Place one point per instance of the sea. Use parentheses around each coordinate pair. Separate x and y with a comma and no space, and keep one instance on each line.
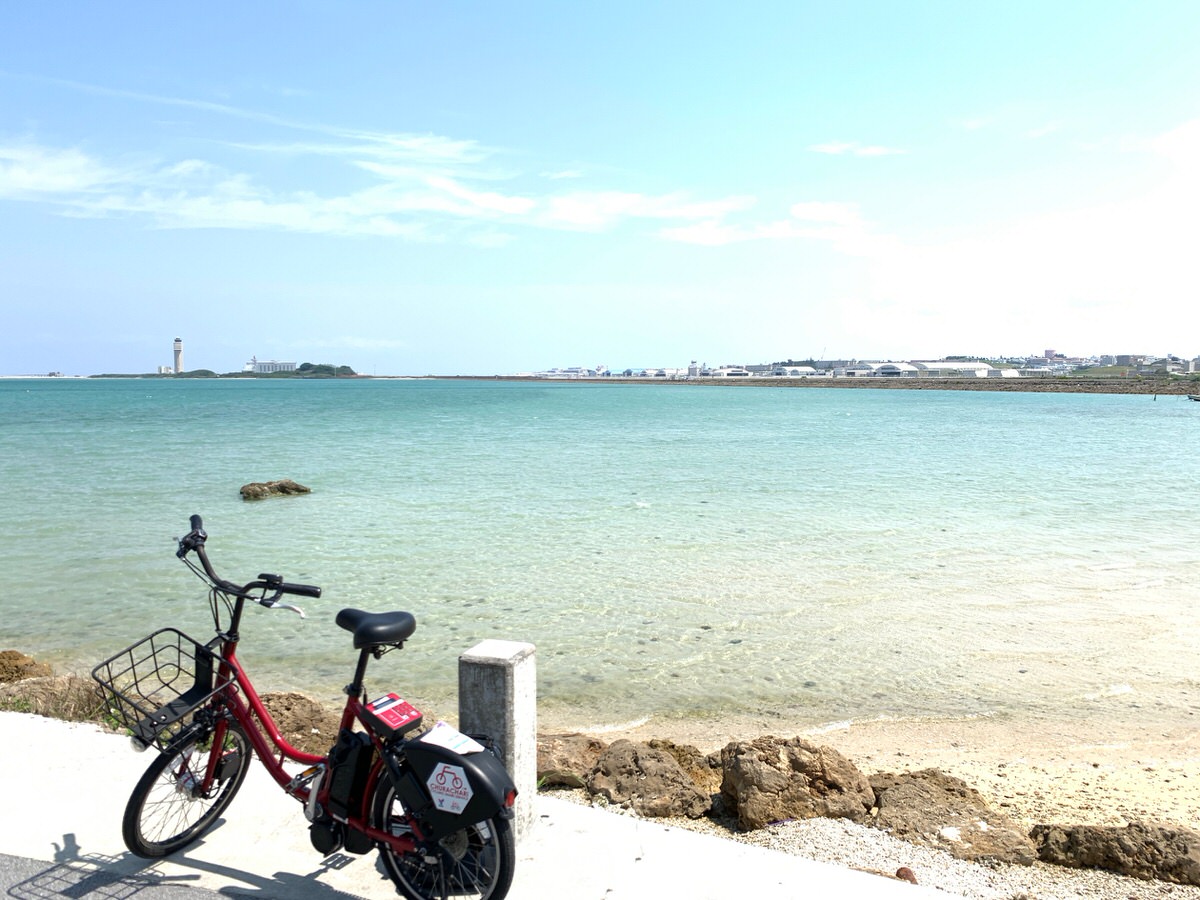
(674,552)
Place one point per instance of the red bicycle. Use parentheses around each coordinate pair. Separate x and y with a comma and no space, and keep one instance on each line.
(435,803)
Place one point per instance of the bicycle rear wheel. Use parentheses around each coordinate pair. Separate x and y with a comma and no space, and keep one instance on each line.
(475,863)
(167,809)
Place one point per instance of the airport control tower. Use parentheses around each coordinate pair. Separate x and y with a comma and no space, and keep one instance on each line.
(178,356)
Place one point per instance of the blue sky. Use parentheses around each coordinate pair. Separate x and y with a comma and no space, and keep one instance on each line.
(417,188)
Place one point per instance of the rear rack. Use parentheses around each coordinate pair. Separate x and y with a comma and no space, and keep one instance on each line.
(153,687)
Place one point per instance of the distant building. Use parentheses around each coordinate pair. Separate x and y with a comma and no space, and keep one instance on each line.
(178,356)
(954,369)
(897,370)
(266,367)
(854,370)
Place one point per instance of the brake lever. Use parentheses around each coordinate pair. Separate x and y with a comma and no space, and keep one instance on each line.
(273,603)
(297,610)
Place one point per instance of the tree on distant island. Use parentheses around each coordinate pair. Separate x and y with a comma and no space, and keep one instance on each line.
(324,369)
(304,370)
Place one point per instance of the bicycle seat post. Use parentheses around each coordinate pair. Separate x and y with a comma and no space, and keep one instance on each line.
(355,688)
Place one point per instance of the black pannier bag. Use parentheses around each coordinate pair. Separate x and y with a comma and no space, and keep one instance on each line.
(446,791)
(349,768)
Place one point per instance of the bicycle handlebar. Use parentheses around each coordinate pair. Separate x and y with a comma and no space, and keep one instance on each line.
(194,541)
(275,583)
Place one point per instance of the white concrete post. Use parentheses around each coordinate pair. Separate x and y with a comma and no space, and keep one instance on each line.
(497,696)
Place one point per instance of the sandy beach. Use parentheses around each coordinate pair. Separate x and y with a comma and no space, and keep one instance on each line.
(1063,775)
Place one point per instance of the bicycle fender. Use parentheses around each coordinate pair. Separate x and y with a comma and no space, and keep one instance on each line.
(447,791)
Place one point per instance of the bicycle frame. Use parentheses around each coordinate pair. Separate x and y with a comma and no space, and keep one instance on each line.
(273,749)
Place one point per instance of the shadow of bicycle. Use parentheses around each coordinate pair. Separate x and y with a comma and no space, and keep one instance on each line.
(75,874)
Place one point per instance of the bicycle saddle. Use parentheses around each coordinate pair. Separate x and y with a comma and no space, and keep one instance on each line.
(377,629)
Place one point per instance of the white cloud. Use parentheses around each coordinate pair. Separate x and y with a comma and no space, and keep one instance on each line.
(839,224)
(1122,267)
(1061,270)
(1182,146)
(593,210)
(596,210)
(29,171)
(195,193)
(853,148)
(485,201)
(189,167)
(834,213)
(1043,130)
(710,233)
(386,144)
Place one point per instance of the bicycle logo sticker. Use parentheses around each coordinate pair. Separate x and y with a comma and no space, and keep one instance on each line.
(449,788)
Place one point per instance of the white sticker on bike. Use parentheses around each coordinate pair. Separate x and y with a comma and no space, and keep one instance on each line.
(449,788)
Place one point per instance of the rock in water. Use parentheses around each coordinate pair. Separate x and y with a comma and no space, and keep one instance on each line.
(260,490)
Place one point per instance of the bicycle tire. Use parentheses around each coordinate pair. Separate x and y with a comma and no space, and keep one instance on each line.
(473,863)
(164,813)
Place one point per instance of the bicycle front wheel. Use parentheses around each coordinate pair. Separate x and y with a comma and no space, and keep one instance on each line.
(169,808)
(475,863)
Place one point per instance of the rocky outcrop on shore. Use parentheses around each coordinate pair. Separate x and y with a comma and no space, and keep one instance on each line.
(15,666)
(771,780)
(647,779)
(937,810)
(1143,851)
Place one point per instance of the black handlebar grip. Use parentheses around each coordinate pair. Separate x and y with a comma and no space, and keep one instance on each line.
(194,539)
(302,590)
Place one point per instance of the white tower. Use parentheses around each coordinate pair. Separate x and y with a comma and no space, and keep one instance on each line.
(178,356)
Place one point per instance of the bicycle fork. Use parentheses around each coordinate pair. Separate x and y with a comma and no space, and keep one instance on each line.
(220,765)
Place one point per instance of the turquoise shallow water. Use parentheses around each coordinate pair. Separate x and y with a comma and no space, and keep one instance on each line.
(816,554)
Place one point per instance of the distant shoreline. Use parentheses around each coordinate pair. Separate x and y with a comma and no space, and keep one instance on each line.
(1167,387)
(1141,386)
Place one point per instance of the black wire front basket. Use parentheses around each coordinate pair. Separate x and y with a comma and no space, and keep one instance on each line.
(154,687)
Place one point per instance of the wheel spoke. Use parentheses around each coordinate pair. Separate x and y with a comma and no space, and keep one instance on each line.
(475,862)
(166,811)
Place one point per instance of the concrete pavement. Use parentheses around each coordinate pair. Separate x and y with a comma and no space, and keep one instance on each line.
(65,787)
